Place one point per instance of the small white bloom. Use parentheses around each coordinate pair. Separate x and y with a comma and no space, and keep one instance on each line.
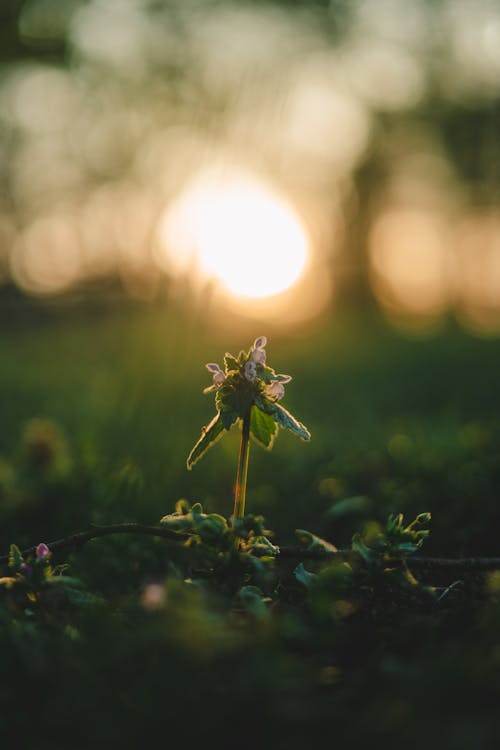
(218,375)
(218,378)
(258,351)
(259,356)
(250,370)
(275,390)
(260,342)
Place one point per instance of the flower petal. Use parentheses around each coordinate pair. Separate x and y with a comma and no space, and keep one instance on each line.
(250,370)
(275,390)
(219,378)
(259,356)
(212,367)
(260,342)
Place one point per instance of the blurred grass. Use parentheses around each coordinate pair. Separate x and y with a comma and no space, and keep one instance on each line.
(398,424)
(98,413)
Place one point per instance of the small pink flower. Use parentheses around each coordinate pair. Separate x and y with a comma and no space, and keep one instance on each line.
(258,351)
(259,356)
(275,390)
(260,342)
(42,552)
(218,375)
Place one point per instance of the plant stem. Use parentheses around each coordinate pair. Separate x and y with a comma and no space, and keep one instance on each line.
(77,540)
(242,472)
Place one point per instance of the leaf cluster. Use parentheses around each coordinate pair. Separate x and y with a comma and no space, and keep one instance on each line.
(238,397)
(379,547)
(35,587)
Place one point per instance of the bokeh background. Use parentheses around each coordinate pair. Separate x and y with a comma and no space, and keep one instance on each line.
(178,177)
(377,123)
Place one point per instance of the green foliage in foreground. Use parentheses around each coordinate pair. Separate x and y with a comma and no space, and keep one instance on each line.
(228,625)
(134,638)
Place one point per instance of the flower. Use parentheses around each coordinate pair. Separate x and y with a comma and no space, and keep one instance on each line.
(275,390)
(218,374)
(259,356)
(250,370)
(258,351)
(42,552)
(260,342)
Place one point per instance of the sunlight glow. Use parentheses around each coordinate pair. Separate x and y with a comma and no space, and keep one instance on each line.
(239,233)
(410,263)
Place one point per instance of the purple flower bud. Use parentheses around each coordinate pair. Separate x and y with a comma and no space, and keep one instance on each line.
(42,552)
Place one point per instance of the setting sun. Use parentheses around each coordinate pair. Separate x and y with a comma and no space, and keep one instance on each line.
(239,233)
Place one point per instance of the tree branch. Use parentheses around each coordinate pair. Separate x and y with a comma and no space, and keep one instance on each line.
(75,541)
(465,564)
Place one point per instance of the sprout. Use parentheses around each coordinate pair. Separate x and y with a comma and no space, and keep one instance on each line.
(247,392)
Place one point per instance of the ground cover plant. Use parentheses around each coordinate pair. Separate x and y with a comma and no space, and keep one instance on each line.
(318,611)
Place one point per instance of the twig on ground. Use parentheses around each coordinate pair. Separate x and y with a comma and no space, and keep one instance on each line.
(77,540)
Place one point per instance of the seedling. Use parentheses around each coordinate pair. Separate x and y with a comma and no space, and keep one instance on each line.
(247,391)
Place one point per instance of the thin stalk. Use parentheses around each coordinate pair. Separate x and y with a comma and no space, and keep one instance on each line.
(240,489)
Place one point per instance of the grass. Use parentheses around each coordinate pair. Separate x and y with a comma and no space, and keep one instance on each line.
(407,424)
(398,425)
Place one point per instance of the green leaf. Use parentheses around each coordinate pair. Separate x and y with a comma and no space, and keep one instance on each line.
(15,557)
(178,521)
(263,427)
(314,542)
(233,402)
(349,505)
(211,528)
(303,576)
(283,417)
(209,436)
(252,601)
(262,546)
(267,374)
(367,553)
(230,362)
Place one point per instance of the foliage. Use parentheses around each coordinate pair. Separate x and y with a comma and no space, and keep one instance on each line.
(234,559)
(247,386)
(194,641)
(34,589)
